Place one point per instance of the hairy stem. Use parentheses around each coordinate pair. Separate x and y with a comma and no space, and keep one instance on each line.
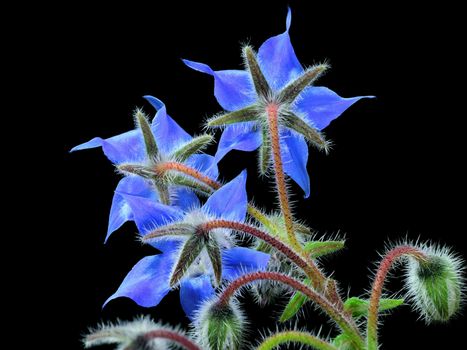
(388,261)
(294,337)
(311,271)
(213,184)
(341,320)
(279,174)
(173,336)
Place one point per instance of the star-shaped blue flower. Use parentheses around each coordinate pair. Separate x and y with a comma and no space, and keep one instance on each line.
(151,278)
(274,77)
(130,147)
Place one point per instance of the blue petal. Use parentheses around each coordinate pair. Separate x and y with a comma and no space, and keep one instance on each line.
(239,260)
(193,292)
(230,201)
(185,199)
(121,212)
(149,214)
(277,59)
(320,105)
(205,163)
(233,88)
(126,147)
(294,152)
(169,135)
(148,282)
(242,137)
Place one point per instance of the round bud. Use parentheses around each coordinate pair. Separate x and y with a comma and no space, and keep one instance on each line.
(436,285)
(219,326)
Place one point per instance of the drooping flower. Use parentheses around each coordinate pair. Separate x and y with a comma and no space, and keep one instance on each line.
(274,79)
(147,146)
(191,259)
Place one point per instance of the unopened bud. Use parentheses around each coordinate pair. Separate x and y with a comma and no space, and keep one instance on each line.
(220,326)
(436,285)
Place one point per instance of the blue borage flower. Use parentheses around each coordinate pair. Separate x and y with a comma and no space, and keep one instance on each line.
(151,278)
(129,147)
(275,76)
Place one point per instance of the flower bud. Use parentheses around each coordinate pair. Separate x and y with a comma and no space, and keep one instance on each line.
(219,326)
(436,285)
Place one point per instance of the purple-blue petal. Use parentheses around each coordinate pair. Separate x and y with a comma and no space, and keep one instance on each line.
(121,212)
(230,201)
(277,59)
(294,152)
(242,137)
(205,163)
(168,134)
(185,199)
(233,88)
(193,292)
(126,147)
(239,260)
(149,214)
(148,282)
(320,105)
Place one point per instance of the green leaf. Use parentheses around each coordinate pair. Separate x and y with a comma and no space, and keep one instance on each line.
(292,90)
(197,144)
(149,140)
(189,253)
(297,300)
(359,307)
(246,114)
(312,135)
(259,81)
(343,342)
(320,248)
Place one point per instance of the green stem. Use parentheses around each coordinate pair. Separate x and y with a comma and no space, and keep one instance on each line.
(294,337)
(386,264)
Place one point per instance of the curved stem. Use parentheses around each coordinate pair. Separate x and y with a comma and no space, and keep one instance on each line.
(312,272)
(296,337)
(279,174)
(388,261)
(213,184)
(173,336)
(342,321)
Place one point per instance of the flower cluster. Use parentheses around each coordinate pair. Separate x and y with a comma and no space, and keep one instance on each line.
(171,190)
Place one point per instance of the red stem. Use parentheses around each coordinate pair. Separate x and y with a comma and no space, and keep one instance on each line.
(386,264)
(344,323)
(312,271)
(173,336)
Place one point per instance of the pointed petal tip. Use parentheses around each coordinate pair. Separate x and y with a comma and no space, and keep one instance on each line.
(198,66)
(288,20)
(154,101)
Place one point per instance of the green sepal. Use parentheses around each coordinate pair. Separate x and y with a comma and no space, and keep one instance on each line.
(359,307)
(292,90)
(312,135)
(215,256)
(193,185)
(317,249)
(190,251)
(197,144)
(264,152)
(259,81)
(149,140)
(246,114)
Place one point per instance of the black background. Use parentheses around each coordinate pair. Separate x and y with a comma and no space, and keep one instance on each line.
(394,172)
